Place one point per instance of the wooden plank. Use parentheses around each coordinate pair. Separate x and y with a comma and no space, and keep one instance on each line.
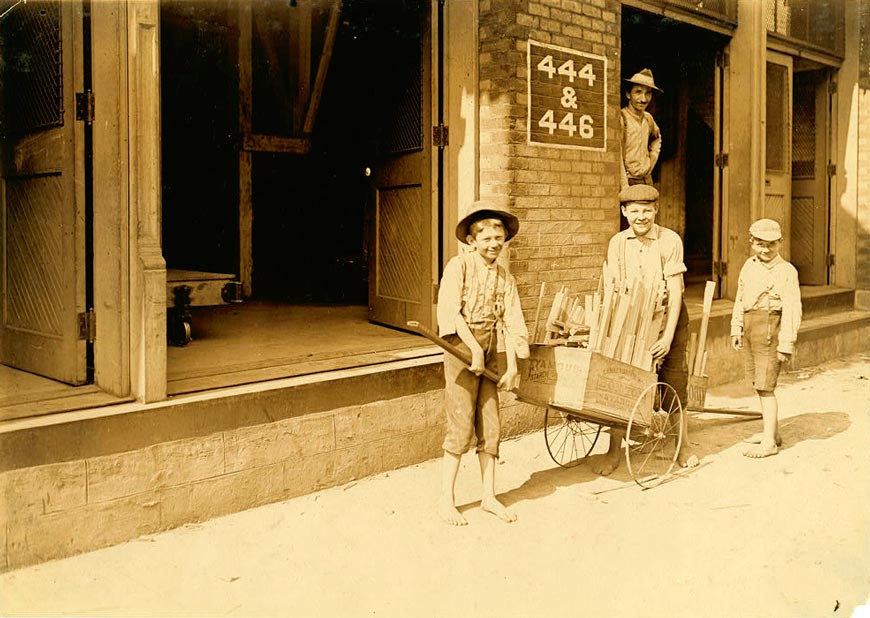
(322,67)
(709,290)
(255,142)
(246,206)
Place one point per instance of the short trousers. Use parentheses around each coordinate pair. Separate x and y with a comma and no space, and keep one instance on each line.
(470,401)
(760,338)
(674,369)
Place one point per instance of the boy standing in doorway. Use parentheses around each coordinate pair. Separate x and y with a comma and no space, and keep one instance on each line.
(764,325)
(641,136)
(478,304)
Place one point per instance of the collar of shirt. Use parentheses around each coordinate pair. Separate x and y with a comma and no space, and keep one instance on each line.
(483,263)
(772,263)
(653,233)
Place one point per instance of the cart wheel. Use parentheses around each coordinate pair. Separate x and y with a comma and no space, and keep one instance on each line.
(568,438)
(654,434)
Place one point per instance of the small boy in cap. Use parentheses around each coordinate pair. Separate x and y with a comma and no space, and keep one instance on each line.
(653,254)
(641,136)
(764,324)
(478,311)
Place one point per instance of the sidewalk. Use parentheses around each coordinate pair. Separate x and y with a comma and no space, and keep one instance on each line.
(788,535)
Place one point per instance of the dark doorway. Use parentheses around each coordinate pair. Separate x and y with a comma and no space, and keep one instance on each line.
(683,61)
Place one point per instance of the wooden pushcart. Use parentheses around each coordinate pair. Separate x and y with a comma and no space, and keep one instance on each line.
(582,391)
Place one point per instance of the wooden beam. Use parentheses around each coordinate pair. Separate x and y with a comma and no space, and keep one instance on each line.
(322,67)
(246,206)
(302,21)
(253,142)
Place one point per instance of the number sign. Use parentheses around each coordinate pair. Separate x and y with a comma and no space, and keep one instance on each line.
(567,95)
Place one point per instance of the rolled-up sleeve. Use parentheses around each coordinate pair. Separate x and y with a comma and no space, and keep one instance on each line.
(792,311)
(737,310)
(514,322)
(672,255)
(450,297)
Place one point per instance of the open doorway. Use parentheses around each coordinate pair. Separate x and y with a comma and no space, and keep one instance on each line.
(303,164)
(683,59)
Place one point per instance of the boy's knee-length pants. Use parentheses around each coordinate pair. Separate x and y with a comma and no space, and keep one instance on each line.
(470,401)
(674,369)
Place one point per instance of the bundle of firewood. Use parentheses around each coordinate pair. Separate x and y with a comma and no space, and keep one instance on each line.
(566,324)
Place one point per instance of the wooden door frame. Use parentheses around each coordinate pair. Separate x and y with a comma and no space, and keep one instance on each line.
(773,57)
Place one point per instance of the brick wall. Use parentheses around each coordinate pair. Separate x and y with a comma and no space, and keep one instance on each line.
(565,199)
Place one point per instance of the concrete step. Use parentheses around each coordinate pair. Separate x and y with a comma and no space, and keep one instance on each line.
(822,337)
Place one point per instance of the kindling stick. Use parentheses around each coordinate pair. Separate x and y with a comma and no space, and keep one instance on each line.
(709,289)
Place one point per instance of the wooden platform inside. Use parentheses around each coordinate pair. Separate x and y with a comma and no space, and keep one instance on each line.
(236,344)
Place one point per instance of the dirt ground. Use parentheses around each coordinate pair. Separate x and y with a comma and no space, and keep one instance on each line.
(788,535)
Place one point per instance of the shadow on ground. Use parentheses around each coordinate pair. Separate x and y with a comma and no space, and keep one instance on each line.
(707,437)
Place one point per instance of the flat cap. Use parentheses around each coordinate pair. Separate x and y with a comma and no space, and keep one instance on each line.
(487,210)
(766,229)
(638,193)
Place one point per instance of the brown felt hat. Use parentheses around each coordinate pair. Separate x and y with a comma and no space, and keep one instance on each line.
(638,193)
(487,210)
(644,78)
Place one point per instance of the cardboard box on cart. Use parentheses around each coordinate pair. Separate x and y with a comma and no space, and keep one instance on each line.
(601,389)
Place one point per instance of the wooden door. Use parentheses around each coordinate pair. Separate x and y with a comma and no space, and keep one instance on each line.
(809,202)
(777,177)
(42,193)
(403,256)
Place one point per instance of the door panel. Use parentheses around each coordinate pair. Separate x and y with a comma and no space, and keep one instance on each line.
(809,246)
(777,179)
(403,260)
(43,251)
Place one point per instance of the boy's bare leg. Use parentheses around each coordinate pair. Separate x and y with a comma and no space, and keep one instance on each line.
(446,502)
(769,412)
(605,464)
(686,458)
(489,502)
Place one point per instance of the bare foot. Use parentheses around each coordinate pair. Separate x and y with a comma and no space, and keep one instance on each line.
(762,450)
(606,464)
(688,460)
(758,437)
(491,505)
(449,513)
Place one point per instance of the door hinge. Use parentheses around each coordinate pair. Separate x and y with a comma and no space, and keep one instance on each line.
(85,106)
(88,325)
(440,136)
(832,86)
(720,269)
(435,293)
(830,260)
(722,60)
(832,169)
(721,159)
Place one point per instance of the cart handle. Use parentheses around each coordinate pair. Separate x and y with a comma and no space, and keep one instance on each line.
(418,328)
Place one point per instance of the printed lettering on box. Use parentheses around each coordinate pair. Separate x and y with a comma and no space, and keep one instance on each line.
(567,97)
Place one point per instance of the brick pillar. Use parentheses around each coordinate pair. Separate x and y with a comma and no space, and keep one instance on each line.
(565,198)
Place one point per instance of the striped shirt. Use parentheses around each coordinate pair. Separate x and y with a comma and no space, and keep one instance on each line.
(485,295)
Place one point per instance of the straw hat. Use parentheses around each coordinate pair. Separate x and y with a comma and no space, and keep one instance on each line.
(644,78)
(487,210)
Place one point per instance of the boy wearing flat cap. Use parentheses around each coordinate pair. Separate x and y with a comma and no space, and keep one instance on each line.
(478,311)
(764,325)
(641,136)
(653,254)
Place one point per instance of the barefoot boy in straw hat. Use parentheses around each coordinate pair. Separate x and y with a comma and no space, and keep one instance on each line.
(478,309)
(641,136)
